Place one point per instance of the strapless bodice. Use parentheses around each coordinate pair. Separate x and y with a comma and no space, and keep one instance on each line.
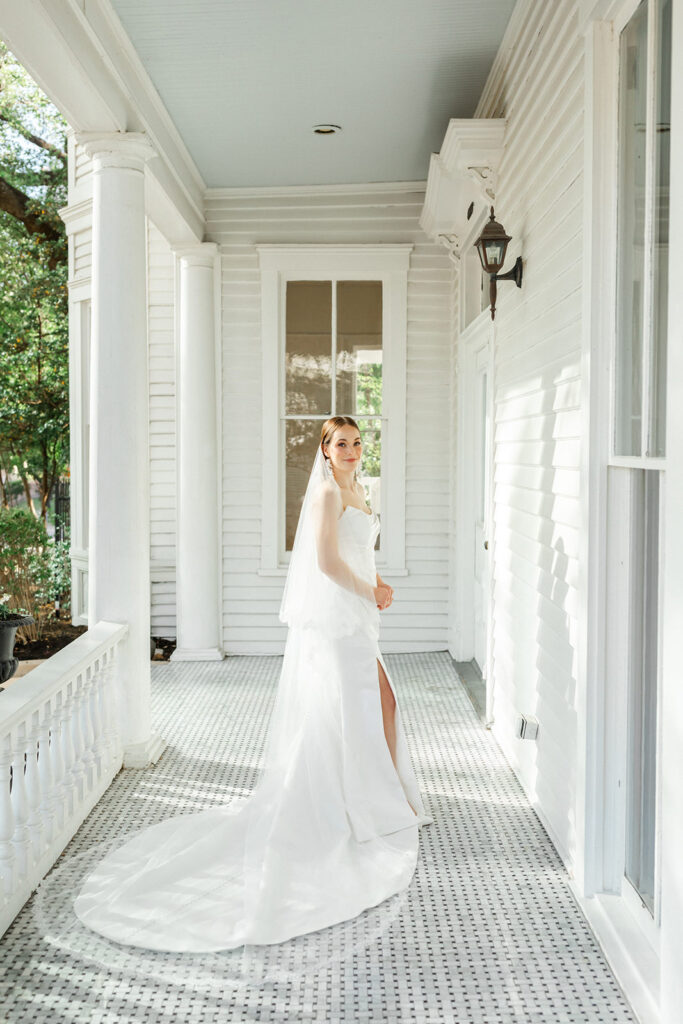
(358,527)
(356,535)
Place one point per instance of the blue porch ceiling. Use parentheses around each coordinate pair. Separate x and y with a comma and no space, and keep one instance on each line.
(245,80)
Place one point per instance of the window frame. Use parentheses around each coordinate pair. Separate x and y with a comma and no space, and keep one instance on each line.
(388,263)
(643,461)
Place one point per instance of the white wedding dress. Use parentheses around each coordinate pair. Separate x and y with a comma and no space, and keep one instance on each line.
(327,832)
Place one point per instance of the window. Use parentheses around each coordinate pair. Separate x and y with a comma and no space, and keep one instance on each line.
(333,366)
(638,428)
(642,230)
(334,343)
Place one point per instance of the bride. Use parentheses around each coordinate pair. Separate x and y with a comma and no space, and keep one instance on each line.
(332,826)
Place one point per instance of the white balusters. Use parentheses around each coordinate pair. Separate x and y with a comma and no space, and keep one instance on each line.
(68,753)
(7,856)
(78,764)
(36,825)
(60,794)
(21,837)
(46,759)
(61,744)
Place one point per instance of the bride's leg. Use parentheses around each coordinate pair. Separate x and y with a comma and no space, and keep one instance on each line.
(389,715)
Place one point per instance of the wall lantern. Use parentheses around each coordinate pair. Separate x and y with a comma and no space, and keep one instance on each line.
(492,245)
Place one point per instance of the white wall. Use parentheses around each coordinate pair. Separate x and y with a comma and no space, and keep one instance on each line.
(537,84)
(418,619)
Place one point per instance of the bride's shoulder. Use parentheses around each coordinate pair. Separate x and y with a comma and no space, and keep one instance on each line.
(327,494)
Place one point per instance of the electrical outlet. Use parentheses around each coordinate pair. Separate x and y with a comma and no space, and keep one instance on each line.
(526,727)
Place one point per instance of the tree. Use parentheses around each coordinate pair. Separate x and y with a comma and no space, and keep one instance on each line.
(34,348)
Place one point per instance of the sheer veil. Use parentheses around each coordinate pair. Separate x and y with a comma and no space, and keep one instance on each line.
(311,597)
(298,607)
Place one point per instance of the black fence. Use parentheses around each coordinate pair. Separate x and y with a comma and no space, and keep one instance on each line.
(62,509)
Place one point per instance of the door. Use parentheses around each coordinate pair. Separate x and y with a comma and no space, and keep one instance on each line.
(480,449)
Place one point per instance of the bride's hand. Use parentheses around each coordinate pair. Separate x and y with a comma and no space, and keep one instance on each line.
(383,595)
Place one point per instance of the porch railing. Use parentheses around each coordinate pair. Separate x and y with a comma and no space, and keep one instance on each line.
(60,747)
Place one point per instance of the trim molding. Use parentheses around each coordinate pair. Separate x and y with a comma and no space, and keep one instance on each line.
(388,263)
(266,191)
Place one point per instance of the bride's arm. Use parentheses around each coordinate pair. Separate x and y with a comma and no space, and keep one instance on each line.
(325,511)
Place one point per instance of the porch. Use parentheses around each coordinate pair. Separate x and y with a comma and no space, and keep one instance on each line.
(500,484)
(489,931)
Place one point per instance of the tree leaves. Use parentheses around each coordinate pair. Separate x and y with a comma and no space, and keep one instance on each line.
(34,349)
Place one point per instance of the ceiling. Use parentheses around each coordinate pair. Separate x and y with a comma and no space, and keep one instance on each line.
(245,81)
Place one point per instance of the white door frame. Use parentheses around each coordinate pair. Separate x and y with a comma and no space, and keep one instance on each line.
(475,355)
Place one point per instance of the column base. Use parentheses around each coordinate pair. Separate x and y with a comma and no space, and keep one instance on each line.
(142,755)
(197,654)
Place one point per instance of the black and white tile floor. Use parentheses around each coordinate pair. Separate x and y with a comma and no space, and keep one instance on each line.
(488,932)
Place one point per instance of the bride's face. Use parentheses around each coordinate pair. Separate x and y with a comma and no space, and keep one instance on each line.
(345,449)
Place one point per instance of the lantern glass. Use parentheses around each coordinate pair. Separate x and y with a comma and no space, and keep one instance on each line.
(492,254)
(492,245)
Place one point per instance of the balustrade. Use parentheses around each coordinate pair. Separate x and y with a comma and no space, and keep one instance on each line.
(60,747)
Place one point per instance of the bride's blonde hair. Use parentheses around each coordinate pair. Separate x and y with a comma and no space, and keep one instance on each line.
(327,432)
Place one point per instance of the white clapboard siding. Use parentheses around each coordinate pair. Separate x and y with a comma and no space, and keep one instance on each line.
(418,619)
(162,432)
(537,84)
(82,253)
(82,165)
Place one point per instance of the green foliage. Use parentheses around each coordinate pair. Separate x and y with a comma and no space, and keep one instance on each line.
(33,570)
(34,351)
(369,405)
(56,583)
(9,613)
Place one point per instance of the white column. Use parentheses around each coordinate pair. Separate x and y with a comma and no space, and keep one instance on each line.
(119,575)
(198,563)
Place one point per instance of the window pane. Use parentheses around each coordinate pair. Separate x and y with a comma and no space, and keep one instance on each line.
(630,233)
(660,260)
(308,348)
(359,348)
(371,463)
(301,439)
(641,636)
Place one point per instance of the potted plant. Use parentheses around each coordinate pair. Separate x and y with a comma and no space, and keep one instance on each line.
(10,620)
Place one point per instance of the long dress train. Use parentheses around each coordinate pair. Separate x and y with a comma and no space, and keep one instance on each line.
(327,832)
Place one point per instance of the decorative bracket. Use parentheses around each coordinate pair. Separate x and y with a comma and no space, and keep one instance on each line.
(463,173)
(485,177)
(451,244)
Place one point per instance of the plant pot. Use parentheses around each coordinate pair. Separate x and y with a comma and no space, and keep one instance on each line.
(8,633)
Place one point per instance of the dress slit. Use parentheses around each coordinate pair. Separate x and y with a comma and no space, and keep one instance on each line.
(380,661)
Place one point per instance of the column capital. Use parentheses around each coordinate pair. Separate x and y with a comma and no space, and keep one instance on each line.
(118,149)
(202,254)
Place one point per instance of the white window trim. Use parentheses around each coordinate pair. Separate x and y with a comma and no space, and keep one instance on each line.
(388,264)
(630,940)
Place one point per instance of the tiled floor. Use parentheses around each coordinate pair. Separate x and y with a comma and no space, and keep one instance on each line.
(488,932)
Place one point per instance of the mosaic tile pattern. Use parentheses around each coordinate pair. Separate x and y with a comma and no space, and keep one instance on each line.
(488,932)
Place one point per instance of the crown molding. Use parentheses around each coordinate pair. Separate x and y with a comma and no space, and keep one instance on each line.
(273,191)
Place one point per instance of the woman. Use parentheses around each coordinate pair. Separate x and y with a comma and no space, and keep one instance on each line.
(332,825)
